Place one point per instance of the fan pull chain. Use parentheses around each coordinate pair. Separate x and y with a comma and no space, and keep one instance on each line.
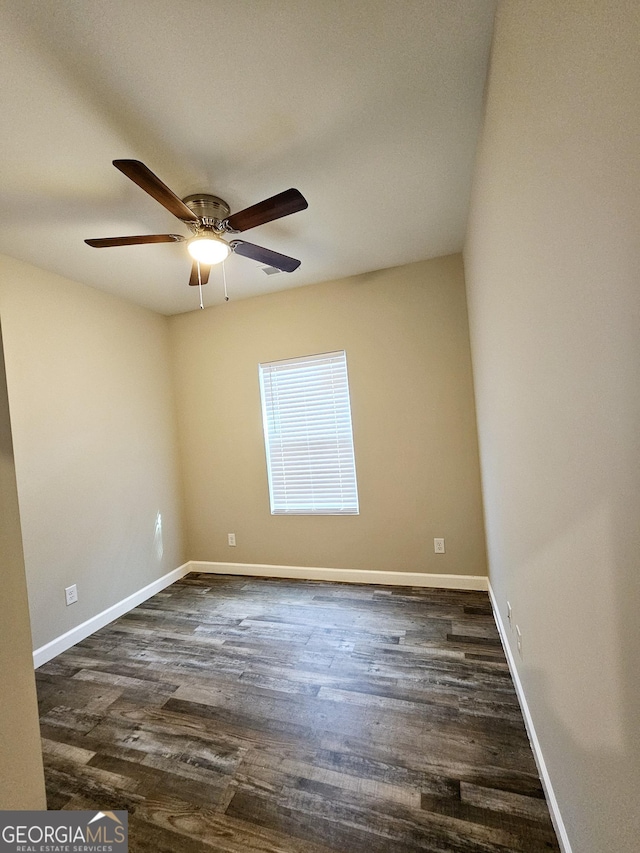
(200,285)
(224,279)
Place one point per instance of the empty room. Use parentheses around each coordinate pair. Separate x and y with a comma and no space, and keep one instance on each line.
(319,418)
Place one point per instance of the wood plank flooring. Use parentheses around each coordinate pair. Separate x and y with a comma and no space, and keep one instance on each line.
(241,715)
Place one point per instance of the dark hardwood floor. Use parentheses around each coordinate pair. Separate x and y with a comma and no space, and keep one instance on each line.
(242,715)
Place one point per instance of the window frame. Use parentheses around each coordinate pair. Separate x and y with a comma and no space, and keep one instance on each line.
(348,495)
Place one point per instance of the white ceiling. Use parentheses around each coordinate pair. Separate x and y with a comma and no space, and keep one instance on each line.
(370,108)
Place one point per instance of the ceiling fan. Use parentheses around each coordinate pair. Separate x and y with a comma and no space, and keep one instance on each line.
(207,216)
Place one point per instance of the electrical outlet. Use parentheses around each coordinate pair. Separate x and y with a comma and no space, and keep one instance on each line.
(438,546)
(510,615)
(519,640)
(71,594)
(232,538)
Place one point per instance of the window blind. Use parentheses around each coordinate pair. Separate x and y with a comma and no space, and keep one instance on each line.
(306,415)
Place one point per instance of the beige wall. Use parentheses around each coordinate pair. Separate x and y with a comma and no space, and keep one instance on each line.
(406,337)
(552,260)
(21,775)
(94,438)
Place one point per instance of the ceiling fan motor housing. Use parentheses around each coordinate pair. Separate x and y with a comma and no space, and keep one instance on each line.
(211,210)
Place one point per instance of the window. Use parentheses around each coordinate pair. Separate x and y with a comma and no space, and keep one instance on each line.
(308,438)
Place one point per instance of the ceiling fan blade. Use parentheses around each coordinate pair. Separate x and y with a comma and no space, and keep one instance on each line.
(204,274)
(265,256)
(150,183)
(283,204)
(104,242)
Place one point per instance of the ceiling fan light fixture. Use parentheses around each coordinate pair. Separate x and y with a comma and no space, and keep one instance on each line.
(208,249)
(207,216)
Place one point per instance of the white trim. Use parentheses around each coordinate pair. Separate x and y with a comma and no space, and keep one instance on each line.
(552,802)
(70,638)
(75,635)
(344,575)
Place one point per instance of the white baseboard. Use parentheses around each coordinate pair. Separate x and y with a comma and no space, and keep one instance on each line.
(65,641)
(344,575)
(75,635)
(554,808)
